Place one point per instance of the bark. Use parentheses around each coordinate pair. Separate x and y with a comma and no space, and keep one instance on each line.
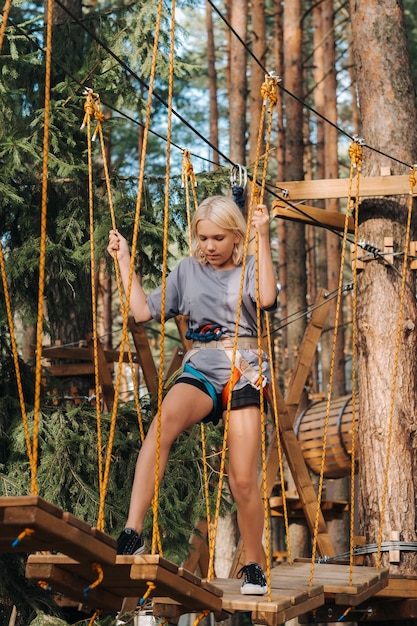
(237,91)
(295,233)
(256,78)
(389,121)
(331,170)
(280,156)
(211,73)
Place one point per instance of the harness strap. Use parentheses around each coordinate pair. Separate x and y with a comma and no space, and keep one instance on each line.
(240,368)
(209,386)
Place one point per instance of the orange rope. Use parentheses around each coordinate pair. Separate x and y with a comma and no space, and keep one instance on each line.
(141,178)
(16,360)
(100,575)
(6,11)
(151,587)
(188,178)
(330,389)
(155,508)
(356,154)
(89,108)
(42,253)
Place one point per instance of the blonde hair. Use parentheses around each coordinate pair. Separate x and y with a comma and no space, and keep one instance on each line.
(224,213)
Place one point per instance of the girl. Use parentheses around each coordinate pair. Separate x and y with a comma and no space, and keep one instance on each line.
(205,287)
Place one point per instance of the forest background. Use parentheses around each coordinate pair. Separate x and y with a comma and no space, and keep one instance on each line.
(219,69)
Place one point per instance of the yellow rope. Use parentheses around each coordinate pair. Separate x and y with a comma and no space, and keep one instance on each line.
(93,618)
(199,617)
(89,109)
(329,396)
(269,92)
(254,192)
(26,532)
(188,179)
(42,252)
(100,575)
(6,11)
(155,500)
(356,155)
(396,360)
(16,360)
(151,587)
(141,178)
(274,400)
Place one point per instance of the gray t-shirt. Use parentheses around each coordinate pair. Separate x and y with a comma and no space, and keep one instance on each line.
(210,296)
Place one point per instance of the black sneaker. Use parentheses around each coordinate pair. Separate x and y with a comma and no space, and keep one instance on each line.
(254,582)
(130,542)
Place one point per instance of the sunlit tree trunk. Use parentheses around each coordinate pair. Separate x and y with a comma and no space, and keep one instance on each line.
(211,73)
(331,170)
(256,78)
(389,124)
(294,232)
(238,89)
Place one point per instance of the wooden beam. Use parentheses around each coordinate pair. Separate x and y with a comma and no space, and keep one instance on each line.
(307,351)
(82,354)
(369,186)
(312,215)
(105,377)
(144,353)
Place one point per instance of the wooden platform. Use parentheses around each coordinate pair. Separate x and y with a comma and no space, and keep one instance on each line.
(128,577)
(396,601)
(51,529)
(289,599)
(366,581)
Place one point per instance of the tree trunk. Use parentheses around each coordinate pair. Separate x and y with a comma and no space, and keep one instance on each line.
(256,77)
(237,91)
(331,170)
(211,73)
(295,232)
(389,122)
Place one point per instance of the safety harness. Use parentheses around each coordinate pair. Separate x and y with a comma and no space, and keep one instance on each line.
(211,337)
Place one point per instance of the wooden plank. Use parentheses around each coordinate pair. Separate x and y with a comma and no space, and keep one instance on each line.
(399,587)
(173,585)
(82,354)
(73,586)
(311,215)
(128,577)
(53,530)
(335,578)
(369,186)
(286,601)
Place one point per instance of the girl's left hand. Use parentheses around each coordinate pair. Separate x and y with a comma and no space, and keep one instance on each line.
(260,219)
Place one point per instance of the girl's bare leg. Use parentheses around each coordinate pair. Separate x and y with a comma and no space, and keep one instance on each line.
(183,406)
(244,442)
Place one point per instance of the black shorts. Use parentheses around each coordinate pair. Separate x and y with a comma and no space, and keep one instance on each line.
(246,396)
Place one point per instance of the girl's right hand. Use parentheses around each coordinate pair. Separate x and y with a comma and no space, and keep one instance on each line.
(118,246)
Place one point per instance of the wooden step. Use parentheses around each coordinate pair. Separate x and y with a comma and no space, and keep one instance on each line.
(49,528)
(335,578)
(128,577)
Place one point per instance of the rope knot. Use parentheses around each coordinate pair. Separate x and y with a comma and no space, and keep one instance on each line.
(269,90)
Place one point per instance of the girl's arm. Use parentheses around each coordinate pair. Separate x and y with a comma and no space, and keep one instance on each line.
(267,278)
(118,248)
